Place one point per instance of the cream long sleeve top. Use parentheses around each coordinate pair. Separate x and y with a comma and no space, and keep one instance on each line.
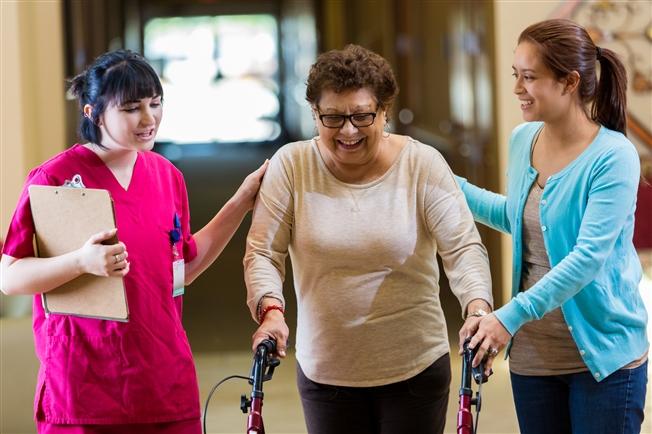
(364,261)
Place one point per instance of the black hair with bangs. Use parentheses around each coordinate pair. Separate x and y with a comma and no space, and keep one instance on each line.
(116,77)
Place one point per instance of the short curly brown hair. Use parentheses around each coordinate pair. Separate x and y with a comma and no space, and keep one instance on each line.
(352,68)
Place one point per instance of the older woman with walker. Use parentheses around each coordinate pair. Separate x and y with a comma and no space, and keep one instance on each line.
(363,214)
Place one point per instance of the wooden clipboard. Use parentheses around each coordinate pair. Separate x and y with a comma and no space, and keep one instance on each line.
(64,219)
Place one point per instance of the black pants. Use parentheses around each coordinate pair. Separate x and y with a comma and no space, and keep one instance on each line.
(416,405)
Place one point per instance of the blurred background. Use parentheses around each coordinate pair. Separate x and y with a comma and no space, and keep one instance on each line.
(234,73)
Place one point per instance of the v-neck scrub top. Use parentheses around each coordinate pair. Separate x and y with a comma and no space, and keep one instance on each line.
(107,372)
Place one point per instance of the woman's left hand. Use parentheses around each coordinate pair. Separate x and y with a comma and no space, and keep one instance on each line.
(490,338)
(248,191)
(468,329)
(475,311)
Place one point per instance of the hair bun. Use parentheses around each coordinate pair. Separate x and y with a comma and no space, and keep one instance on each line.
(77,84)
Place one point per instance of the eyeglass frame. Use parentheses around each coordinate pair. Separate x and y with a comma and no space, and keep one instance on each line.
(347,117)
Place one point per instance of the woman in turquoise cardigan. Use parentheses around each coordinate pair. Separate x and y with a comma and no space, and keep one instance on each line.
(576,322)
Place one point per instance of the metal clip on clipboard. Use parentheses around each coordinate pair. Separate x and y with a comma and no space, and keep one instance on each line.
(75,183)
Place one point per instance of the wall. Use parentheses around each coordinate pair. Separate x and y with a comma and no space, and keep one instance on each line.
(32,93)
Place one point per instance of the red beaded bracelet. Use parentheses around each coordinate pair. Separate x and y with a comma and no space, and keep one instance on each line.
(267,309)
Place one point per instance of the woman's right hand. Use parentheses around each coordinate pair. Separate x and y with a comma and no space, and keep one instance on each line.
(491,338)
(102,259)
(248,191)
(273,327)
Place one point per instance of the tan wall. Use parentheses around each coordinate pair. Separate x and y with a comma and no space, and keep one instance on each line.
(33,86)
(12,155)
(32,90)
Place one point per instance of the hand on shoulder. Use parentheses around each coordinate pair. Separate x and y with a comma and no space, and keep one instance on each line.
(248,190)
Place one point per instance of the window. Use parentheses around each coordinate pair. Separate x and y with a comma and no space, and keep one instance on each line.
(220,77)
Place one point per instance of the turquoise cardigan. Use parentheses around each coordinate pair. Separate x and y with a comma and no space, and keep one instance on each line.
(587,220)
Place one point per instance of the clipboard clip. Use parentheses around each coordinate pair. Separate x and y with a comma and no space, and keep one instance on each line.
(75,183)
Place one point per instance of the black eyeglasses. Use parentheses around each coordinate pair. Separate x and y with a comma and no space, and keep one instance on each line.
(357,119)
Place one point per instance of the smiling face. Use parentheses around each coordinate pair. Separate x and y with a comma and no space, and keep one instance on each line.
(543,97)
(349,147)
(131,125)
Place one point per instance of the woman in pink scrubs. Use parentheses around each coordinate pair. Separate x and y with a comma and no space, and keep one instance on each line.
(101,376)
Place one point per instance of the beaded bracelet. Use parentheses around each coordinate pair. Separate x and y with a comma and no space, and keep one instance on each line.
(259,306)
(261,318)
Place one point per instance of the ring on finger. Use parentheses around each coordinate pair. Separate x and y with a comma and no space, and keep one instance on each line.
(492,352)
(117,258)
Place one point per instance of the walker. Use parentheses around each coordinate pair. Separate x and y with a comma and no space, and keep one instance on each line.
(464,415)
(262,370)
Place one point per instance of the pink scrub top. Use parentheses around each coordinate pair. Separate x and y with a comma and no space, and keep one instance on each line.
(107,372)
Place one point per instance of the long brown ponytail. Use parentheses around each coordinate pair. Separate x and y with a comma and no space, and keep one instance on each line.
(610,103)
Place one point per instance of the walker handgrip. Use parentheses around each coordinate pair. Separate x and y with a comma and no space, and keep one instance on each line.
(262,370)
(477,372)
(268,344)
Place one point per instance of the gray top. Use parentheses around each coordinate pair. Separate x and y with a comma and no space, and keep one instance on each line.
(545,346)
